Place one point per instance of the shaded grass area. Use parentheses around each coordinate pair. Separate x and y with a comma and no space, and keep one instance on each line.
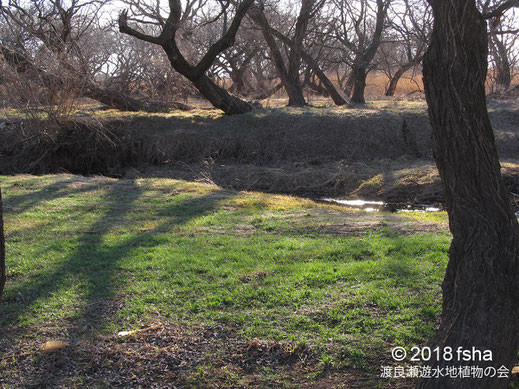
(271,278)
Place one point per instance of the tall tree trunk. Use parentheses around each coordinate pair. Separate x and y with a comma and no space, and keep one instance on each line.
(359,85)
(314,65)
(364,56)
(2,249)
(480,289)
(294,58)
(290,82)
(295,93)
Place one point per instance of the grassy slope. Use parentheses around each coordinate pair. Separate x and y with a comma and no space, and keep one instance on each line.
(88,257)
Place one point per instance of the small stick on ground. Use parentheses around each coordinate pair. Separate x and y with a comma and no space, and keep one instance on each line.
(134,332)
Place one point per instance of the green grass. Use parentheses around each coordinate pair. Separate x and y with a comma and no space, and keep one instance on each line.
(117,254)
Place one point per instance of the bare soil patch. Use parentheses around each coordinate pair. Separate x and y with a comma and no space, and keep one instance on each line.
(169,356)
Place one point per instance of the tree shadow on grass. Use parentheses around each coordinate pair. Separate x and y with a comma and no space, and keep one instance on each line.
(103,281)
(94,263)
(18,203)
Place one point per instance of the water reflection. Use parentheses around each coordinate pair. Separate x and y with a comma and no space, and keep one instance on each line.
(376,206)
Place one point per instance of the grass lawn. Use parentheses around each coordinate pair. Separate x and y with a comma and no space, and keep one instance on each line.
(241,289)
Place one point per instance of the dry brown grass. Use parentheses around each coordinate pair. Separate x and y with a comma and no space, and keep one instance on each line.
(382,150)
(170,356)
(377,83)
(410,86)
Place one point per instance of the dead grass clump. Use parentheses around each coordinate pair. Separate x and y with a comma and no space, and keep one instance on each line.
(42,146)
(257,276)
(509,94)
(311,136)
(393,181)
(287,134)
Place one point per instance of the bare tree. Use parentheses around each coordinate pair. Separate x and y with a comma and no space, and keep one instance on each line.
(239,62)
(141,70)
(360,26)
(196,74)
(410,26)
(326,86)
(503,38)
(244,59)
(480,291)
(61,49)
(502,44)
(288,73)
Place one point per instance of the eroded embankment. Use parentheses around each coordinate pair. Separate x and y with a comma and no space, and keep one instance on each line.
(375,152)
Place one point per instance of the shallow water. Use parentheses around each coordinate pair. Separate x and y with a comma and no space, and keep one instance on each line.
(377,206)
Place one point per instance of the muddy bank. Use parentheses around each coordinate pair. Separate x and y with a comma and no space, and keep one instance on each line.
(405,181)
(377,153)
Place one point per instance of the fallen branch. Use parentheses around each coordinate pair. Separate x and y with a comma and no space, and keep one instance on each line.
(134,332)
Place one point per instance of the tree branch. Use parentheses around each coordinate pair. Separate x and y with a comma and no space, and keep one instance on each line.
(125,29)
(226,41)
(499,11)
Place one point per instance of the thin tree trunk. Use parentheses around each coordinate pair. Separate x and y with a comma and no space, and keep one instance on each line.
(332,91)
(317,88)
(340,79)
(291,85)
(268,92)
(393,81)
(480,289)
(312,63)
(348,87)
(2,249)
(500,55)
(238,86)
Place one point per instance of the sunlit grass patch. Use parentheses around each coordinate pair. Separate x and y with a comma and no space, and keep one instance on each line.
(430,217)
(255,200)
(109,254)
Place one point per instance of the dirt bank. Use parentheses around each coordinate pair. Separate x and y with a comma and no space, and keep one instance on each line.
(382,151)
